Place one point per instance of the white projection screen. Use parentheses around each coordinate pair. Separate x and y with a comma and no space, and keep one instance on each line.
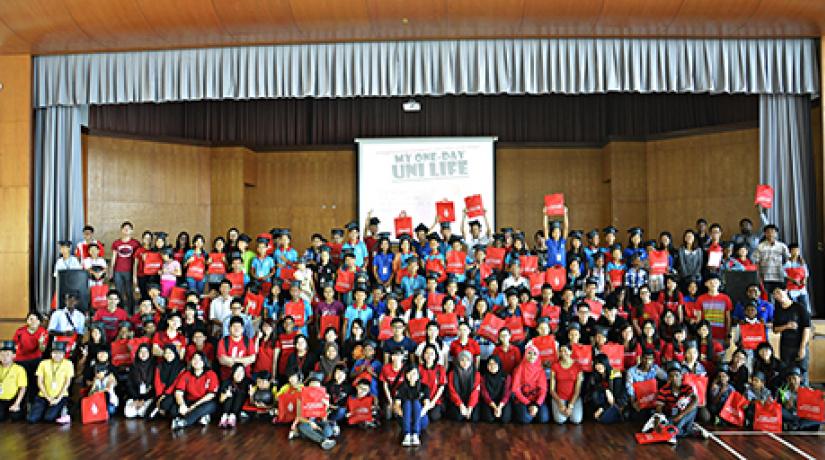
(412,174)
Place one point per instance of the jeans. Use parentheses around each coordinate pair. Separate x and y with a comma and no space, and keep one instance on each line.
(798,424)
(5,413)
(42,411)
(318,436)
(192,417)
(412,422)
(788,358)
(338,415)
(684,425)
(574,418)
(196,286)
(123,283)
(522,415)
(486,414)
(610,415)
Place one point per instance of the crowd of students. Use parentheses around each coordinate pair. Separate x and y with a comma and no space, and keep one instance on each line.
(472,326)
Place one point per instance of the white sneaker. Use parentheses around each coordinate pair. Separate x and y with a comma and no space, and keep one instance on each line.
(142,411)
(673,441)
(653,422)
(292,435)
(328,444)
(407,442)
(415,440)
(177,423)
(205,420)
(336,431)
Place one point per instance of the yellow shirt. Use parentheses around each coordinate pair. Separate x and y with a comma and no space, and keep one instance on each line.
(55,376)
(12,379)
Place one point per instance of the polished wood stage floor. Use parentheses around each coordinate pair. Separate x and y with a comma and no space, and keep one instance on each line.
(122,439)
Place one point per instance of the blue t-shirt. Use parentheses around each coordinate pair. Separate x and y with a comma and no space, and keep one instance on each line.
(383,266)
(359,250)
(263,267)
(556,252)
(351,314)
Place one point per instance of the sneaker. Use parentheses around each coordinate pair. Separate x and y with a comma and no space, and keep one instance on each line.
(178,423)
(673,441)
(205,420)
(336,431)
(407,442)
(64,419)
(415,441)
(292,435)
(232,421)
(652,422)
(327,444)
(699,431)
(224,419)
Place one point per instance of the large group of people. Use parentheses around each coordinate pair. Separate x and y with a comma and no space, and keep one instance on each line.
(472,325)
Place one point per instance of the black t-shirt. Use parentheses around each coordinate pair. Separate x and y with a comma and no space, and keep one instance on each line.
(791,338)
(407,392)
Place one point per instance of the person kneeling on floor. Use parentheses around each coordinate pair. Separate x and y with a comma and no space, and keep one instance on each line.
(13,384)
(54,376)
(676,404)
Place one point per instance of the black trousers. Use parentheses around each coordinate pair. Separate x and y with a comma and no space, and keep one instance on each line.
(487,416)
(233,404)
(6,414)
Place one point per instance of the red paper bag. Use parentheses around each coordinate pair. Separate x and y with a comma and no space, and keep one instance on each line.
(810,405)
(288,275)
(733,411)
(583,356)
(237,284)
(436,265)
(418,329)
(536,282)
(473,206)
(529,264)
(434,300)
(93,409)
(360,409)
(699,384)
(69,340)
(447,324)
(403,225)
(490,326)
(516,326)
(556,277)
(646,392)
(177,298)
(152,263)
(296,311)
(554,204)
(767,417)
(554,313)
(121,355)
(495,258)
(658,262)
(615,353)
(314,402)
(794,278)
(456,261)
(529,311)
(661,434)
(288,406)
(385,328)
(253,303)
(216,266)
(196,269)
(329,321)
(752,335)
(445,210)
(764,196)
(344,281)
(616,278)
(97,296)
(547,348)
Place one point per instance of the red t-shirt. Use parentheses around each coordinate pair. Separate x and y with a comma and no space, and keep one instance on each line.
(111,320)
(509,359)
(389,376)
(195,388)
(82,250)
(565,380)
(208,350)
(125,254)
(673,303)
(713,309)
(235,349)
(472,346)
(651,310)
(162,339)
(264,359)
(139,256)
(286,342)
(28,344)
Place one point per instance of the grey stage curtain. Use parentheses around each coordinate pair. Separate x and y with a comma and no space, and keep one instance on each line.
(434,68)
(786,164)
(58,192)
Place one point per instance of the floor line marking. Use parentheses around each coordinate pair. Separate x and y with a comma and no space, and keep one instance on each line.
(790,446)
(725,446)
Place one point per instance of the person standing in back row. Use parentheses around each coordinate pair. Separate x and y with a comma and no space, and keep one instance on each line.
(770,257)
(793,323)
(122,265)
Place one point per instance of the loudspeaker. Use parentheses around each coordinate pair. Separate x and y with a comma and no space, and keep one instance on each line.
(73,280)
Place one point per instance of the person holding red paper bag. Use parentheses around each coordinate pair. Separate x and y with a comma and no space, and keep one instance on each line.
(606,398)
(310,418)
(789,397)
(677,402)
(554,240)
(764,196)
(554,204)
(362,405)
(445,210)
(472,233)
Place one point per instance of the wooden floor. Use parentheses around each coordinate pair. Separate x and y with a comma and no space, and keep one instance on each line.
(122,439)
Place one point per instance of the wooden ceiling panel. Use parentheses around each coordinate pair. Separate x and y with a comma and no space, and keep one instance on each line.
(114,24)
(258,20)
(40,22)
(637,17)
(562,17)
(188,21)
(325,19)
(485,17)
(408,19)
(718,18)
(787,17)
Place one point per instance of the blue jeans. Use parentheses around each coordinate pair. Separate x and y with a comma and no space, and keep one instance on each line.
(123,283)
(684,425)
(574,418)
(318,436)
(42,411)
(522,415)
(196,286)
(610,415)
(412,422)
(337,415)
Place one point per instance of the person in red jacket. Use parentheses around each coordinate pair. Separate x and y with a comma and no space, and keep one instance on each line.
(195,394)
(30,341)
(530,389)
(464,384)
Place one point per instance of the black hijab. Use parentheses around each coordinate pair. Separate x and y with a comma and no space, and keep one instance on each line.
(494,383)
(142,371)
(169,371)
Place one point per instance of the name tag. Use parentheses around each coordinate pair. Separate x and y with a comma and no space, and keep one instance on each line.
(54,386)
(143,388)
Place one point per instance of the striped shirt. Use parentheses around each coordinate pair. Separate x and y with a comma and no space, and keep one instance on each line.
(770,259)
(674,402)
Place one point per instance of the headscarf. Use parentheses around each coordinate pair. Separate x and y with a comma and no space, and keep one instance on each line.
(464,379)
(142,371)
(328,365)
(530,372)
(169,370)
(494,383)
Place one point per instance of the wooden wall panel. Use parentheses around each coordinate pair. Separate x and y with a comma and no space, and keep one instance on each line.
(628,185)
(304,191)
(712,176)
(525,175)
(227,175)
(15,185)
(155,185)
